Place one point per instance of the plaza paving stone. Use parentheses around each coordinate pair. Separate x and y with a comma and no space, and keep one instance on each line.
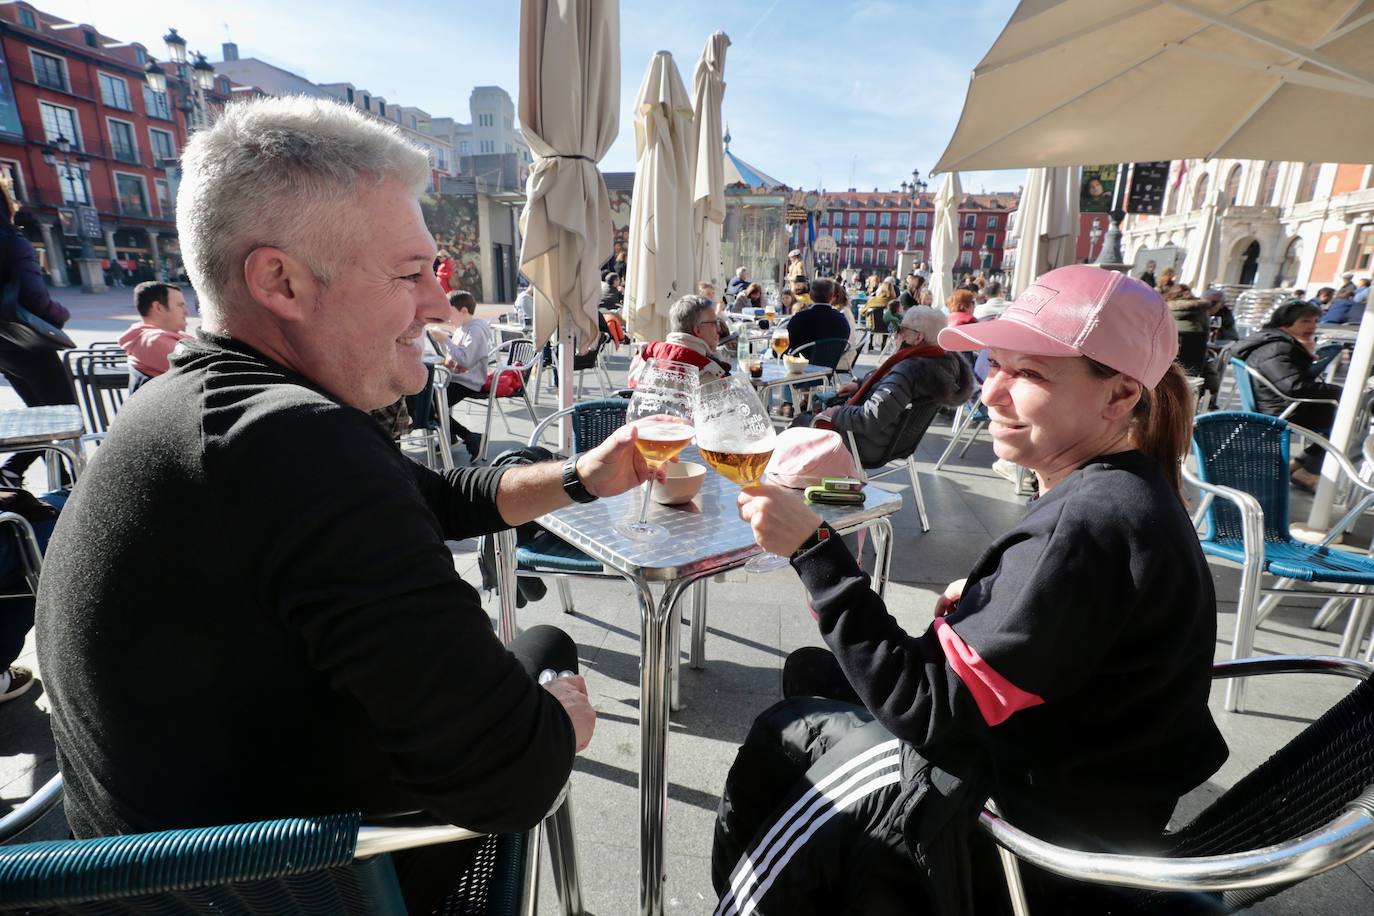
(753,622)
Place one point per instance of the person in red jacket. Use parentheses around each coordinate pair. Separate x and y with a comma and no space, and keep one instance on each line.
(693,340)
(444,271)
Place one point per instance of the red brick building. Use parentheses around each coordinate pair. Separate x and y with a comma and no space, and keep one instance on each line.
(67,82)
(872,228)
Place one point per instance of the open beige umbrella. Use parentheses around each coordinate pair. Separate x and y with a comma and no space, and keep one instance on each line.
(708,161)
(660,266)
(944,242)
(569,112)
(1046,229)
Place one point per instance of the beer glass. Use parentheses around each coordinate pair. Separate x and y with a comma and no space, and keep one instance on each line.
(735,436)
(661,413)
(779,342)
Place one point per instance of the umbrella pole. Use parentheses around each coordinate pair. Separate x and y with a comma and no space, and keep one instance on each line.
(1343,430)
(566,351)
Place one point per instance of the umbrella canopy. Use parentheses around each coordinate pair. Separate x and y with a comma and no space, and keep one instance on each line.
(944,243)
(1075,81)
(1204,256)
(1046,229)
(659,262)
(569,112)
(708,160)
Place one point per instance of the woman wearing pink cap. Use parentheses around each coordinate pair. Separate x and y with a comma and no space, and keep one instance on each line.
(1066,677)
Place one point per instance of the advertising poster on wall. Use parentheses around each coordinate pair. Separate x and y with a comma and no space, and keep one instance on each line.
(1097,188)
(9,111)
(1148,180)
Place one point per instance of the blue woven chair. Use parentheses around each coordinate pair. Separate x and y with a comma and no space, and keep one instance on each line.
(314,866)
(1247,377)
(1243,459)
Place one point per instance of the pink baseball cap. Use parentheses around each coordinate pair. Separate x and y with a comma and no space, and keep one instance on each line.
(803,455)
(1082,310)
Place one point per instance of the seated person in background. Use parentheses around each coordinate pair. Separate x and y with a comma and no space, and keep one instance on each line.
(993,303)
(801,288)
(1283,352)
(707,291)
(1347,288)
(817,321)
(877,304)
(331,631)
(960,305)
(788,304)
(920,371)
(915,292)
(612,292)
(1188,311)
(1323,297)
(1221,316)
(1167,281)
(1095,616)
(738,282)
(161,326)
(465,353)
(751,297)
(693,340)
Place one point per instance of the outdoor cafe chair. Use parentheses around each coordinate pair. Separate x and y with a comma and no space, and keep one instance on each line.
(1242,470)
(1245,379)
(1306,810)
(320,866)
(912,425)
(970,419)
(519,360)
(100,374)
(430,419)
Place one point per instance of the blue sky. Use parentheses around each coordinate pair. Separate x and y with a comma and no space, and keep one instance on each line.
(815,91)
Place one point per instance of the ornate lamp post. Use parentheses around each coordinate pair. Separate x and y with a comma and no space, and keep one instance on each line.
(71,172)
(916,187)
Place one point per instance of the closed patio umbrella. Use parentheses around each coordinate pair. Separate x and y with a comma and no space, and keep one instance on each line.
(1077,81)
(708,161)
(1046,225)
(569,112)
(660,264)
(944,243)
(1204,255)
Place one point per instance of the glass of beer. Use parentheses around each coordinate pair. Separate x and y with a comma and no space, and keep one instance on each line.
(661,413)
(735,436)
(779,342)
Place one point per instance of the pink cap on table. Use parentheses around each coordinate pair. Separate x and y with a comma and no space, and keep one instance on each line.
(803,455)
(1082,310)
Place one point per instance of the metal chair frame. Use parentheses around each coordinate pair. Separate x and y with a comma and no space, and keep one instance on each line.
(1250,612)
(911,417)
(1247,397)
(99,402)
(1342,839)
(520,356)
(436,438)
(385,835)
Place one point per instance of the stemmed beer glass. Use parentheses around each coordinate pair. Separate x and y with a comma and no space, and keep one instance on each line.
(735,436)
(661,413)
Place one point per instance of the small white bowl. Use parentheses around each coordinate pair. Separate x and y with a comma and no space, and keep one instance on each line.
(684,482)
(795,366)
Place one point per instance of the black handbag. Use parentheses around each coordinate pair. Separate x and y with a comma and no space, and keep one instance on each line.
(23,328)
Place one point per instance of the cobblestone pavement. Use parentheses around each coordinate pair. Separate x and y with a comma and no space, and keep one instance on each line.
(753,622)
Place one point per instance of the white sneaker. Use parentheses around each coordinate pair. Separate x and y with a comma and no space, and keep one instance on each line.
(15,681)
(1005,468)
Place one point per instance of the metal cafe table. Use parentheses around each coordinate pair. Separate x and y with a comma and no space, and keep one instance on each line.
(703,538)
(47,429)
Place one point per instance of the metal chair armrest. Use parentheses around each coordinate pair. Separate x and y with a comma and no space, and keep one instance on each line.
(1348,468)
(48,796)
(546,423)
(412,829)
(1252,516)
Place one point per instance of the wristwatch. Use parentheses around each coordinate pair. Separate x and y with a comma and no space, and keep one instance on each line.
(572,484)
(818,537)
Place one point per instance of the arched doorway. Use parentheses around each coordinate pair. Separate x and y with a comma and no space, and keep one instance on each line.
(1249,264)
(1288,270)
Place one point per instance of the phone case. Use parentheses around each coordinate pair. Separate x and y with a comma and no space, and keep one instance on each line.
(819,494)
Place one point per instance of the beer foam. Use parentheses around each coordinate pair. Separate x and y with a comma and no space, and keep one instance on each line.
(663,430)
(730,440)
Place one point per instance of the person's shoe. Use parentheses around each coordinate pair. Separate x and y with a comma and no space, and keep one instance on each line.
(473,443)
(1304,479)
(15,682)
(1005,468)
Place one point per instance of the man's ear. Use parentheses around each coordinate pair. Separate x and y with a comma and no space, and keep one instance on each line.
(1125,394)
(279,283)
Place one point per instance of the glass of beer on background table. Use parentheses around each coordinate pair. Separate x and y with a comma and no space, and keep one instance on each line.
(735,436)
(779,342)
(661,413)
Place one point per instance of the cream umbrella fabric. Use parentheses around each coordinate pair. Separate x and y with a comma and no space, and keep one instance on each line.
(708,161)
(569,112)
(1076,81)
(660,265)
(1024,232)
(944,242)
(1204,250)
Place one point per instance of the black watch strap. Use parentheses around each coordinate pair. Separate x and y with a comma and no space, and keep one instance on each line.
(572,483)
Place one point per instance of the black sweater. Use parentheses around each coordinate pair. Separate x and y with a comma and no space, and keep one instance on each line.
(1098,614)
(248,611)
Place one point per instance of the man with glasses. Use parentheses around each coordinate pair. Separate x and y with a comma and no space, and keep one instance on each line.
(693,340)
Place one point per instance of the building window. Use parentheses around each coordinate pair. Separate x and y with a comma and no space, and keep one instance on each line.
(91,41)
(1364,247)
(989,241)
(968,239)
(870,219)
(165,205)
(868,236)
(11,170)
(901,236)
(464,148)
(853,219)
(920,239)
(1200,193)
(965,259)
(850,254)
(224,86)
(1307,187)
(414,123)
(868,256)
(132,193)
(114,92)
(59,122)
(837,234)
(367,102)
(1288,270)
(73,182)
(903,219)
(922,220)
(1269,180)
(992,222)
(348,90)
(27,19)
(883,236)
(49,71)
(123,146)
(882,257)
(825,219)
(381,107)
(140,55)
(1233,186)
(163,145)
(885,219)
(970,221)
(155,103)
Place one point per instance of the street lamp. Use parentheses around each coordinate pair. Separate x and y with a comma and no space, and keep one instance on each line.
(852,238)
(193,79)
(916,187)
(72,170)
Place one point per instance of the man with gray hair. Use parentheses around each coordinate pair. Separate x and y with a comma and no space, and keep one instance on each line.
(738,283)
(919,372)
(248,610)
(693,340)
